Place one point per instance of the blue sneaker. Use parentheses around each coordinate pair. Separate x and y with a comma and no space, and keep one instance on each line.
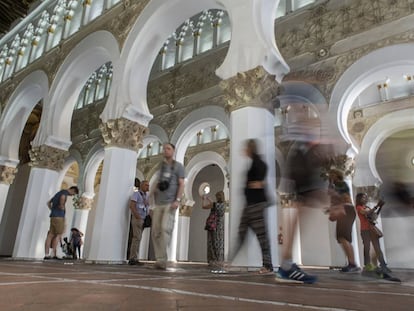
(294,275)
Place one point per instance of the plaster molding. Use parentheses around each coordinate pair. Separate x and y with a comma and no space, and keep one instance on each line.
(7,174)
(255,87)
(123,133)
(45,156)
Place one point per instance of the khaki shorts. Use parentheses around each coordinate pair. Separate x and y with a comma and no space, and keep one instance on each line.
(57,225)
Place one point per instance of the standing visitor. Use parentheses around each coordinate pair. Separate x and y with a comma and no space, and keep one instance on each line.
(167,198)
(139,206)
(215,231)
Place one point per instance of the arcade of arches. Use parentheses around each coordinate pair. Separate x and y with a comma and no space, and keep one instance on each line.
(89,93)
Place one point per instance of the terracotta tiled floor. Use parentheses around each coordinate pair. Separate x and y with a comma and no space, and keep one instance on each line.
(66,285)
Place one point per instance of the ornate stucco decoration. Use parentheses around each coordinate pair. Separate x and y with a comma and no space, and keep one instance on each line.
(123,133)
(222,147)
(361,119)
(7,174)
(185,80)
(6,90)
(255,87)
(85,203)
(45,156)
(332,21)
(122,25)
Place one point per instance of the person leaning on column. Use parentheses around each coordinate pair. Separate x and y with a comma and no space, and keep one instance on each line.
(57,206)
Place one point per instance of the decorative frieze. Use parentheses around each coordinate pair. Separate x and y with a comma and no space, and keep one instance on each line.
(255,87)
(7,174)
(122,25)
(45,156)
(123,133)
(332,21)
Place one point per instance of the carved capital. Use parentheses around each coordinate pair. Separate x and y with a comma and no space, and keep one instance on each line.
(45,156)
(255,87)
(123,133)
(7,174)
(85,203)
(186,210)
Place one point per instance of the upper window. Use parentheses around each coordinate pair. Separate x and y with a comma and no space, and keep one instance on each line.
(97,86)
(199,34)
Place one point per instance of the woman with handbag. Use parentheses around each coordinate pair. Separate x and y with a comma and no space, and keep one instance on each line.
(215,231)
(369,233)
(340,197)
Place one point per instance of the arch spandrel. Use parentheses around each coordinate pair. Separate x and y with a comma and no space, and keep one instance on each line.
(33,89)
(98,48)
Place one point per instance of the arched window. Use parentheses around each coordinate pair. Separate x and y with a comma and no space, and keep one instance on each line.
(208,135)
(205,29)
(25,47)
(185,41)
(39,38)
(57,22)
(198,34)
(168,52)
(46,29)
(223,27)
(97,87)
(73,17)
(92,9)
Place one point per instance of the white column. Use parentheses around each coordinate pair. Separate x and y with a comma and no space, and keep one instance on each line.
(110,229)
(172,248)
(4,190)
(145,244)
(7,174)
(34,220)
(184,236)
(80,221)
(258,123)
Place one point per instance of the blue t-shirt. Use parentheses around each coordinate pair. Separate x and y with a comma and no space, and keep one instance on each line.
(55,210)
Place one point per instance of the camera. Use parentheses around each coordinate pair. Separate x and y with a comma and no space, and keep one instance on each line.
(163,185)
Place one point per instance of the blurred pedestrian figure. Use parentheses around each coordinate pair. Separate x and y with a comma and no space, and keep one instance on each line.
(167,198)
(305,164)
(341,198)
(256,202)
(215,231)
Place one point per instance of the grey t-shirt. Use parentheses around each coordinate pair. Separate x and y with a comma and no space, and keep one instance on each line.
(172,173)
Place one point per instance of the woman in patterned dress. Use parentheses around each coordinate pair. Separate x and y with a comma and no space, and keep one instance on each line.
(215,236)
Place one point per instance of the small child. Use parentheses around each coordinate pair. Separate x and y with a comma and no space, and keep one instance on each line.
(76,242)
